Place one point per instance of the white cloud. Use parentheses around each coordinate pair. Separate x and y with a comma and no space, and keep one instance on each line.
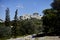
(20,6)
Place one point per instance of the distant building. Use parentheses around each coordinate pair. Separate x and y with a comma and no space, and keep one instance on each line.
(21,17)
(35,15)
(26,16)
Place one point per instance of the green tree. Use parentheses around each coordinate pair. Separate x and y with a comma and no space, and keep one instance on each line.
(7,18)
(51,18)
(27,27)
(56,4)
(14,28)
(30,26)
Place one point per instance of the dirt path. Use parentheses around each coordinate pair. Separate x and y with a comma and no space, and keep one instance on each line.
(48,38)
(29,37)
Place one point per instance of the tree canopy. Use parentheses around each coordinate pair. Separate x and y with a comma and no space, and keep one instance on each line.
(51,18)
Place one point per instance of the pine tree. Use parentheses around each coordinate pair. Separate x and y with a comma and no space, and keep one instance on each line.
(16,12)
(7,18)
(14,29)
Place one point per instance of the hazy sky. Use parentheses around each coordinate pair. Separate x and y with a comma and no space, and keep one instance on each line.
(23,6)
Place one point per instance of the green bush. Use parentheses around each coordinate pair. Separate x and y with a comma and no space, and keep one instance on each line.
(5,32)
